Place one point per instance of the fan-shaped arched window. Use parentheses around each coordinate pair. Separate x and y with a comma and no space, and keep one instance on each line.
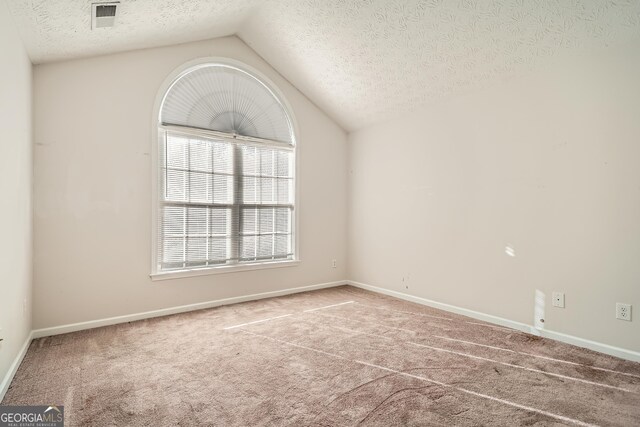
(225,168)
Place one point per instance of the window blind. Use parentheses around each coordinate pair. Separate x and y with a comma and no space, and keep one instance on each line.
(226,172)
(224,202)
(228,100)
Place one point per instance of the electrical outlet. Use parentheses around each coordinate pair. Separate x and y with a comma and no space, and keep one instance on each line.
(623,311)
(334,263)
(557,299)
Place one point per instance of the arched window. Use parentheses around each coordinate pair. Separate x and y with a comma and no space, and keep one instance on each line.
(225,172)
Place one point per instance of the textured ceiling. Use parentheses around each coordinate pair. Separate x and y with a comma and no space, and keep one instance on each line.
(362,61)
(365,61)
(61,29)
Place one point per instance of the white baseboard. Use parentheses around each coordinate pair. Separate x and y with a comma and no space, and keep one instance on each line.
(6,381)
(451,308)
(622,353)
(63,329)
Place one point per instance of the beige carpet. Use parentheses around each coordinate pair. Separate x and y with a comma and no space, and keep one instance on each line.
(366,359)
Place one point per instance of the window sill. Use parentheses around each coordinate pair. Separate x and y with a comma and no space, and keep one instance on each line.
(179,274)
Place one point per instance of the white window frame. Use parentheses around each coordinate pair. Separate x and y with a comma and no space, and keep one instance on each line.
(158,138)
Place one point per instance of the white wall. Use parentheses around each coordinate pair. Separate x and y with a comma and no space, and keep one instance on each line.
(548,163)
(15,188)
(93,189)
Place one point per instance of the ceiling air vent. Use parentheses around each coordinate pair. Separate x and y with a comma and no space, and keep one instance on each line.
(103,15)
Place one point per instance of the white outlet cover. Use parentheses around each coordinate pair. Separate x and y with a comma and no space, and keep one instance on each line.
(623,311)
(557,299)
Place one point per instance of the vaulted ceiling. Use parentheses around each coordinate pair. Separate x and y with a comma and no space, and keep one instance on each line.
(362,61)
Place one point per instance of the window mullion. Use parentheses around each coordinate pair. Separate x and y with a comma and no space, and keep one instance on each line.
(236,211)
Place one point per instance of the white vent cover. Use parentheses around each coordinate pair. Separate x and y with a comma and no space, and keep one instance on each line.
(103,15)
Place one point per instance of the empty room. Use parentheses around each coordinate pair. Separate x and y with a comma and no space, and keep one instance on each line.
(320,213)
